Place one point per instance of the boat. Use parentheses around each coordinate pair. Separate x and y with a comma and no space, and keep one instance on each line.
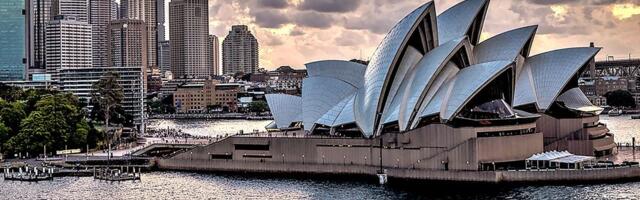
(635,116)
(615,112)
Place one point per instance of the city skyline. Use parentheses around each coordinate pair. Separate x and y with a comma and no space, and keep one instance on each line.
(310,31)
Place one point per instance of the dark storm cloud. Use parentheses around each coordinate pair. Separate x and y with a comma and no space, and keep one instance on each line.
(339,6)
(280,4)
(269,18)
(313,19)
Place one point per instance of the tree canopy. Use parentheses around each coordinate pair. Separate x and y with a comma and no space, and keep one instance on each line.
(37,119)
(620,98)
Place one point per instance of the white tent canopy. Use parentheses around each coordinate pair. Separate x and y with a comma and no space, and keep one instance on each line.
(560,157)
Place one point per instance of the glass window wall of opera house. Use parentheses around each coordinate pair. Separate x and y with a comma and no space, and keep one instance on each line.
(434,96)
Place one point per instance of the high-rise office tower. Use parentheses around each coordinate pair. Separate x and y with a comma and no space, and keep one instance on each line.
(128,46)
(164,56)
(68,45)
(150,14)
(12,40)
(160,19)
(79,9)
(99,18)
(189,35)
(115,10)
(214,55)
(143,10)
(40,16)
(239,51)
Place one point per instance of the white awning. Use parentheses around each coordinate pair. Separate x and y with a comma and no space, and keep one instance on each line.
(560,157)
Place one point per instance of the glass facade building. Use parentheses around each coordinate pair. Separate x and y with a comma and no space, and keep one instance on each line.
(12,40)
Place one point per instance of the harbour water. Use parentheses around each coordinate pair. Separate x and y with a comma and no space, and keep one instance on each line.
(187,185)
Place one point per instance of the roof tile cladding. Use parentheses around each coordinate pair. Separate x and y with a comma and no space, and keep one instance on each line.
(456,21)
(319,95)
(383,60)
(505,46)
(550,73)
(285,108)
(340,114)
(350,72)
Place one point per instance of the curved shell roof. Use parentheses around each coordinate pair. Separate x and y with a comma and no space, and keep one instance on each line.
(576,100)
(550,73)
(456,21)
(381,66)
(416,83)
(340,114)
(467,83)
(285,108)
(505,46)
(409,61)
(319,95)
(350,72)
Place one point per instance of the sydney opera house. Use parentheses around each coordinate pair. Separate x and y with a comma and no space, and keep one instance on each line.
(433,97)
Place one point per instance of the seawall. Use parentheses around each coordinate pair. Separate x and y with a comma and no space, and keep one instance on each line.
(522,176)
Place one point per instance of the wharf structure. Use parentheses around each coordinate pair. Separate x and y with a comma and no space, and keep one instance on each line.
(434,103)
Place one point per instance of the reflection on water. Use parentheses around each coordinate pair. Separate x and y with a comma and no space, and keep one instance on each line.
(183,185)
(209,127)
(623,127)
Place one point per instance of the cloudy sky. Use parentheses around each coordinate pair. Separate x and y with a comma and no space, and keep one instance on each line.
(294,32)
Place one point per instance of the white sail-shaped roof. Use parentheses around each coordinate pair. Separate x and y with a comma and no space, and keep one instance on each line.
(369,99)
(350,72)
(467,83)
(340,114)
(285,108)
(416,83)
(458,20)
(576,100)
(550,73)
(319,95)
(411,57)
(505,46)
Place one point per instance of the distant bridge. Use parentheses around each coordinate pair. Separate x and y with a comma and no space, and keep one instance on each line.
(622,68)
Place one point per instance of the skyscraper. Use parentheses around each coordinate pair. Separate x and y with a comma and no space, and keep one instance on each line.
(128,46)
(152,32)
(239,51)
(132,9)
(214,55)
(40,16)
(189,35)
(68,45)
(99,18)
(143,10)
(164,56)
(160,19)
(76,8)
(12,40)
(115,10)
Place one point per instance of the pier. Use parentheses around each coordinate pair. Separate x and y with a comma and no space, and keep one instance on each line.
(108,174)
(34,174)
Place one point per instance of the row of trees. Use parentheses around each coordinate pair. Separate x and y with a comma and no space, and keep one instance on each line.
(33,119)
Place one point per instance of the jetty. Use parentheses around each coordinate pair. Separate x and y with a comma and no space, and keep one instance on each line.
(34,174)
(108,174)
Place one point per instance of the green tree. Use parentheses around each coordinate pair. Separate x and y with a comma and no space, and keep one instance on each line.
(258,106)
(12,114)
(107,94)
(620,98)
(4,133)
(37,131)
